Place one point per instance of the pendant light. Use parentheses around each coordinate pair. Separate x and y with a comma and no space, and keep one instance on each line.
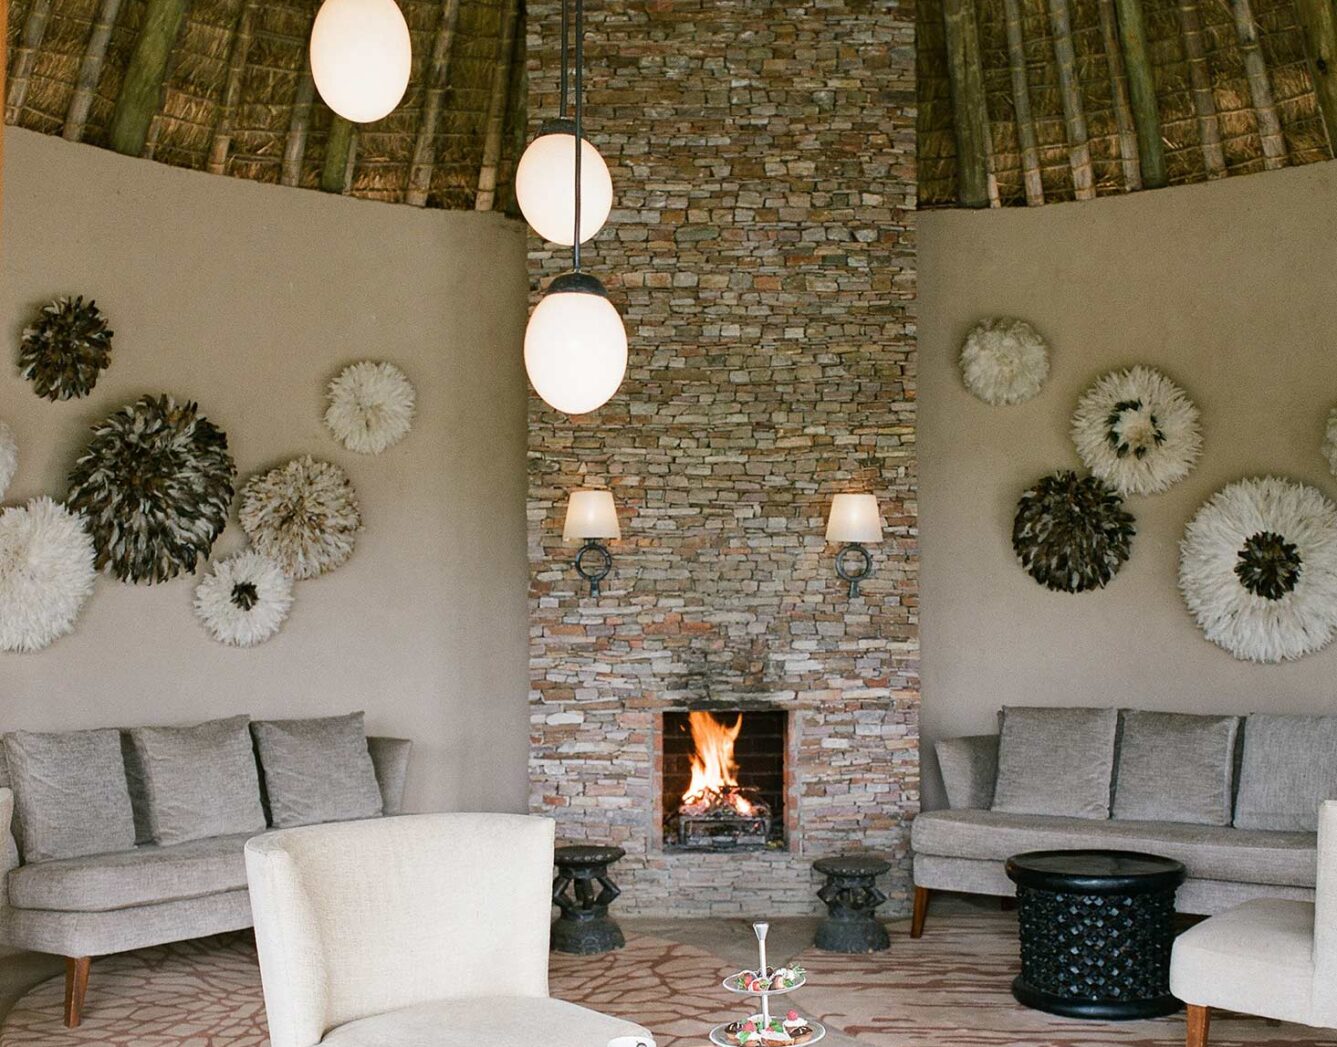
(575,344)
(361,56)
(544,175)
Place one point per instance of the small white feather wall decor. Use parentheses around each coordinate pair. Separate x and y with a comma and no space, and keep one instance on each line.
(46,573)
(1004,361)
(370,406)
(1137,431)
(1329,442)
(1258,569)
(245,600)
(303,515)
(9,457)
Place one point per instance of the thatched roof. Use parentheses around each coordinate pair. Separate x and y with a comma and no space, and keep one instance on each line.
(1234,94)
(237,96)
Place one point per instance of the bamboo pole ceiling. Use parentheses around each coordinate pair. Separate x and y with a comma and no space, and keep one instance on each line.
(225,86)
(1037,101)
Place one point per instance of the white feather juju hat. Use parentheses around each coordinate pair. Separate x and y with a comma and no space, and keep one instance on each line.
(1329,443)
(46,573)
(303,515)
(370,407)
(9,457)
(245,600)
(1258,569)
(1137,431)
(1004,361)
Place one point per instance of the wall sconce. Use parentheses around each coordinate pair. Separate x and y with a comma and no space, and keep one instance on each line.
(854,520)
(591,515)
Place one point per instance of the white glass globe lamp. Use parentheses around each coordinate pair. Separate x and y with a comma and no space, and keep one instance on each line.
(575,345)
(361,57)
(545,180)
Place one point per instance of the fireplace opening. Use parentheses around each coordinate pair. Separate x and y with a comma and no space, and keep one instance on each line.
(724,779)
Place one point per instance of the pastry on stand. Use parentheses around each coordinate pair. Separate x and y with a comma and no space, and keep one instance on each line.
(765,1029)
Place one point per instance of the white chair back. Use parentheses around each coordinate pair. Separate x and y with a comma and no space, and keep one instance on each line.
(1324,999)
(360,918)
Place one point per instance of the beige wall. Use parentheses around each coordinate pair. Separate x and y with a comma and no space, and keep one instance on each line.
(1231,289)
(249,298)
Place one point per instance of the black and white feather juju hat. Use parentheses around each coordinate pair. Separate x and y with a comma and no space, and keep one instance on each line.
(64,351)
(370,406)
(1258,569)
(1071,533)
(303,515)
(1137,431)
(46,573)
(245,600)
(9,457)
(155,487)
(1004,361)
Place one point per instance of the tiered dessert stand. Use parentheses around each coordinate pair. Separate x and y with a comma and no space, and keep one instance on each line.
(719,1037)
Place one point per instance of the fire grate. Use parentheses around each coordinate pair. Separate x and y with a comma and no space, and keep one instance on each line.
(714,822)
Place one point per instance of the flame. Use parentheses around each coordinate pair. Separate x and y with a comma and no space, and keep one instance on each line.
(714,770)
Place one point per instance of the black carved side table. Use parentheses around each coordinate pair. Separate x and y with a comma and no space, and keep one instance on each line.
(851,896)
(584,925)
(1096,932)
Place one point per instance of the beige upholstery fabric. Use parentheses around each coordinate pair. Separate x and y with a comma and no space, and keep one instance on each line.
(1257,958)
(491,1020)
(969,769)
(1056,761)
(1269,957)
(1207,851)
(355,921)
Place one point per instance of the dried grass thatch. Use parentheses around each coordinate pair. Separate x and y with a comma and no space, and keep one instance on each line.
(1221,99)
(237,96)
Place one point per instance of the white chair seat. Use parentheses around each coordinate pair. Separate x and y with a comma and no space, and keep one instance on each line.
(1257,958)
(488,1021)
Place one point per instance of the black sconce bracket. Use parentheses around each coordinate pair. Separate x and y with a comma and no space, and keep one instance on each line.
(594,549)
(854,551)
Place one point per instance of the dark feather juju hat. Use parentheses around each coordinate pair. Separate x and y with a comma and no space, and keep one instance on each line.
(1072,533)
(155,487)
(65,349)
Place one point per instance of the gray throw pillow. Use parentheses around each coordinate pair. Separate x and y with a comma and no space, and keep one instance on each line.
(70,793)
(317,770)
(1289,768)
(199,781)
(1056,761)
(1176,767)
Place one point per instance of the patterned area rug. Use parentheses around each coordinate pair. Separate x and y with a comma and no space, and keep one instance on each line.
(950,989)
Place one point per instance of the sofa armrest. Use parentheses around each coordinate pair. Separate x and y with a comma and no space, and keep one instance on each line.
(9,850)
(390,757)
(969,770)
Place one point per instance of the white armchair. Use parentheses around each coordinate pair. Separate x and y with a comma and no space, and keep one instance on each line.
(423,930)
(1268,957)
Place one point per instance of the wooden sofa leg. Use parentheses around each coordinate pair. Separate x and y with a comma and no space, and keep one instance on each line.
(920,912)
(76,984)
(1199,1021)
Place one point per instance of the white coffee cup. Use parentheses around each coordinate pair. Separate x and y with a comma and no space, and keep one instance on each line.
(631,1041)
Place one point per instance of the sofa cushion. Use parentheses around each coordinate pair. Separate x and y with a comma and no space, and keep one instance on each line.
(143,876)
(497,1021)
(317,770)
(1208,851)
(200,781)
(1175,767)
(70,793)
(1289,769)
(1056,761)
(969,769)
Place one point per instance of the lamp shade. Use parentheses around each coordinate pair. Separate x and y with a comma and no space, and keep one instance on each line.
(854,518)
(360,57)
(575,345)
(591,514)
(545,187)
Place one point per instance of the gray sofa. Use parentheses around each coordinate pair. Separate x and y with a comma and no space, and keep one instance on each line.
(96,904)
(963,848)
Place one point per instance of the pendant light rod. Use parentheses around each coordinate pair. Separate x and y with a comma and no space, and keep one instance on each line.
(566,62)
(579,135)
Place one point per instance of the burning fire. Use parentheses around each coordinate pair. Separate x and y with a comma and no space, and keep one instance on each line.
(714,770)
